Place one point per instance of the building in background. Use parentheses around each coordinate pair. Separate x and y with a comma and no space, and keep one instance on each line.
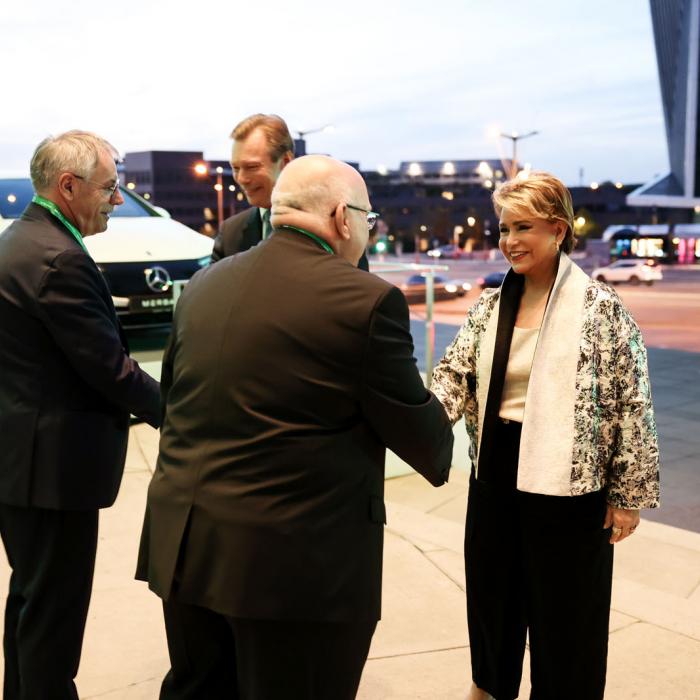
(185,185)
(676,26)
(677,38)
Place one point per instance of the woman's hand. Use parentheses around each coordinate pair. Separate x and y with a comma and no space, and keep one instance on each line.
(623,521)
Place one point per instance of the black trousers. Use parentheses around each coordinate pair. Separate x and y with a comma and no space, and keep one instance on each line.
(52,555)
(537,565)
(214,657)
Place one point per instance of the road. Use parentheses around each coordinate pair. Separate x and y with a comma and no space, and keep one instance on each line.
(668,312)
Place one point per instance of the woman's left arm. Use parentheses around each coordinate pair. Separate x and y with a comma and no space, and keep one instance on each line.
(633,478)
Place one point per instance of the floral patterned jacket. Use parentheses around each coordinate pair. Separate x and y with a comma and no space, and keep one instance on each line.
(589,421)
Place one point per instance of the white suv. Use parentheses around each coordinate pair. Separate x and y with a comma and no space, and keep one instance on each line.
(632,271)
(141,255)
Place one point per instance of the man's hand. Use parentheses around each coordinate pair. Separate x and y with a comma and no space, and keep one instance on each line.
(623,521)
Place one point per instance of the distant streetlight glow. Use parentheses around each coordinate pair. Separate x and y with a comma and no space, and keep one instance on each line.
(448,168)
(146,195)
(201,169)
(514,136)
(471,221)
(488,184)
(485,170)
(231,188)
(448,195)
(493,131)
(618,185)
(130,186)
(594,185)
(218,187)
(414,170)
(382,170)
(219,170)
(459,229)
(580,221)
(424,228)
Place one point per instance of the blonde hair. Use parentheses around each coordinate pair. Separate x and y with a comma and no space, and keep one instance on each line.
(541,196)
(73,151)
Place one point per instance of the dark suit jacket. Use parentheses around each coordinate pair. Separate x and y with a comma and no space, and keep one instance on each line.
(67,385)
(287,374)
(243,231)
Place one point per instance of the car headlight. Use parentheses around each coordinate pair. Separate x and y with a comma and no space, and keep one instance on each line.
(451,288)
(466,286)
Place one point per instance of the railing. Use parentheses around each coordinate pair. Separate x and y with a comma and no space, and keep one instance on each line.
(427,271)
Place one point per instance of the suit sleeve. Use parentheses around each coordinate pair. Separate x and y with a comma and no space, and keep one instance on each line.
(73,307)
(406,416)
(218,250)
(634,468)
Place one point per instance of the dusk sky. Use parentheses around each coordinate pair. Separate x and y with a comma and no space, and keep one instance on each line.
(400,81)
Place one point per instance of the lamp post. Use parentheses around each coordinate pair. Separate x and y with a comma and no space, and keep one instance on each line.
(219,187)
(202,169)
(300,143)
(514,136)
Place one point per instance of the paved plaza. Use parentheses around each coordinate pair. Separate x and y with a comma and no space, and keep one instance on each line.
(420,649)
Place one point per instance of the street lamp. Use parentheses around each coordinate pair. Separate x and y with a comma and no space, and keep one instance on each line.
(300,143)
(514,136)
(203,169)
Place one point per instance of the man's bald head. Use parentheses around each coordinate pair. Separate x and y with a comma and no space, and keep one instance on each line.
(313,192)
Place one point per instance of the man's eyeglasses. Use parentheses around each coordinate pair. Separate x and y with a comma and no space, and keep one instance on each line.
(372,216)
(109,191)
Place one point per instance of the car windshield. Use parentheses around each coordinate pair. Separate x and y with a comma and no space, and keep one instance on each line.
(15,195)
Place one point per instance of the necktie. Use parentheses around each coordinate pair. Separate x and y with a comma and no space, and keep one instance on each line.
(267,227)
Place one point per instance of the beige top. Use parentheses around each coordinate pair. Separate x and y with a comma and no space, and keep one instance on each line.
(522,351)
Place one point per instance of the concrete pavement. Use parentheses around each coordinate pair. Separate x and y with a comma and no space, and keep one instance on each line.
(420,649)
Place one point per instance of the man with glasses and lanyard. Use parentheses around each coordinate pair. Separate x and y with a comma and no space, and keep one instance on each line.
(67,388)
(262,147)
(288,373)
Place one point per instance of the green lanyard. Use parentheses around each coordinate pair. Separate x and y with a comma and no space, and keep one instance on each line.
(312,236)
(51,207)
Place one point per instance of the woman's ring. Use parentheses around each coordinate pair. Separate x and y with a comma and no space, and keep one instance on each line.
(617,530)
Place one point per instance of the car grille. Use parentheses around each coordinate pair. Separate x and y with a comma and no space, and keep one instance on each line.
(129,279)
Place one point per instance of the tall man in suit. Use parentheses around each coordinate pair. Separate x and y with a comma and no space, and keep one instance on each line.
(288,373)
(262,147)
(67,387)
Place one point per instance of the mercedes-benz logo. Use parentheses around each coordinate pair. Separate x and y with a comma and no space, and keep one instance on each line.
(158,279)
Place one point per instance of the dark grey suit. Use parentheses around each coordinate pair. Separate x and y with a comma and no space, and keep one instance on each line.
(67,387)
(238,233)
(288,373)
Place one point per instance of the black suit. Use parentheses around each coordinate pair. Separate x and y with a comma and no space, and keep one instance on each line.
(67,387)
(287,374)
(243,231)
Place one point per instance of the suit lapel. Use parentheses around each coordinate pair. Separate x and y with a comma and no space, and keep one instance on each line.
(252,231)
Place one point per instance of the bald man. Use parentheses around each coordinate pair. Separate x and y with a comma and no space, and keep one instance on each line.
(288,373)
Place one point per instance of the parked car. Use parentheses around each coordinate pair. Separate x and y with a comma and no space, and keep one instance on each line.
(493,279)
(142,253)
(632,271)
(450,251)
(444,289)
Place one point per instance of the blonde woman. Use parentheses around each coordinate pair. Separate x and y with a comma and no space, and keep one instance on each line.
(550,374)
